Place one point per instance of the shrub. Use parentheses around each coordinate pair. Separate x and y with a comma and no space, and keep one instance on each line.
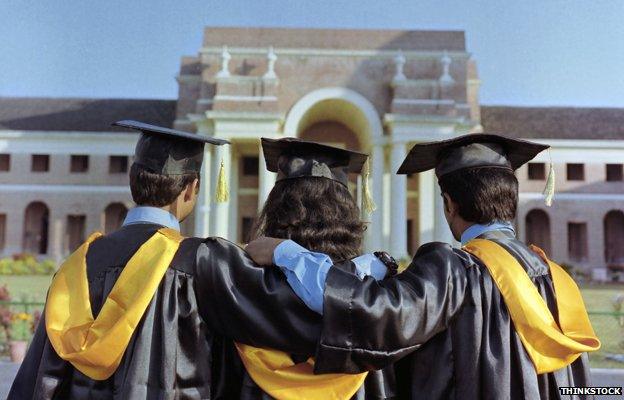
(26,265)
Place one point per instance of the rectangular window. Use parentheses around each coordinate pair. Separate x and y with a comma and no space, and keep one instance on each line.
(40,163)
(576,172)
(5,162)
(577,241)
(615,172)
(118,164)
(537,171)
(79,164)
(75,231)
(2,232)
(250,166)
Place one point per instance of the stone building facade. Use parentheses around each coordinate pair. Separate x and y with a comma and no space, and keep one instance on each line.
(374,91)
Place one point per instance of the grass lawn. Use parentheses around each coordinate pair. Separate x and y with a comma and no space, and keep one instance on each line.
(598,298)
(31,288)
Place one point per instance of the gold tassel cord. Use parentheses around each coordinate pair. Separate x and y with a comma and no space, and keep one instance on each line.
(368,204)
(223,193)
(549,190)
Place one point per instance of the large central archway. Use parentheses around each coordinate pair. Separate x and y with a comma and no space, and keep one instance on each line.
(341,105)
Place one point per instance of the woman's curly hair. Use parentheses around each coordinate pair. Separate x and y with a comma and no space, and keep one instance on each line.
(318,213)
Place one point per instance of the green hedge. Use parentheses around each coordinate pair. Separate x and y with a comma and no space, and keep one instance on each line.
(26,265)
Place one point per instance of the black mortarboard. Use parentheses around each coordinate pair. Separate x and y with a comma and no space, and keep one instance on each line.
(167,151)
(294,158)
(480,150)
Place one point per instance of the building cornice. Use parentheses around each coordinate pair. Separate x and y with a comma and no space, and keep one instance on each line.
(312,52)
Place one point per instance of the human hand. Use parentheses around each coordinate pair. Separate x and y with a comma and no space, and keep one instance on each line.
(261,249)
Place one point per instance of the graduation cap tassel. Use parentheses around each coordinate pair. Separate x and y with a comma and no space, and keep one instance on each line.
(368,204)
(549,190)
(223,193)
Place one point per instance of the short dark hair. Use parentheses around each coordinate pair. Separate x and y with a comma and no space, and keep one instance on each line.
(483,195)
(318,213)
(150,189)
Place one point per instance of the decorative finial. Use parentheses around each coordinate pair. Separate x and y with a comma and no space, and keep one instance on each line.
(446,78)
(271,58)
(225,61)
(399,63)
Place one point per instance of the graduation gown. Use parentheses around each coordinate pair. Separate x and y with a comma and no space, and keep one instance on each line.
(444,324)
(211,295)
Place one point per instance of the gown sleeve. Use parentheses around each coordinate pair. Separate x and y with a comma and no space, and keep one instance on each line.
(370,324)
(250,304)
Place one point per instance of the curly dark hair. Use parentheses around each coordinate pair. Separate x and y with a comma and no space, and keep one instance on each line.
(318,213)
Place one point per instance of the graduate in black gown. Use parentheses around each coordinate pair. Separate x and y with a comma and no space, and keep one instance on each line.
(144,313)
(495,319)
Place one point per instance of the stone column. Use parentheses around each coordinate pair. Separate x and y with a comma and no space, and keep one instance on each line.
(374,233)
(398,212)
(56,235)
(202,209)
(266,179)
(426,207)
(220,211)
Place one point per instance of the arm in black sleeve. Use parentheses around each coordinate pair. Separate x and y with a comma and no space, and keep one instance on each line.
(369,324)
(251,304)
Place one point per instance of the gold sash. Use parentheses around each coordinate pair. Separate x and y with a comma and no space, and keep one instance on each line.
(550,346)
(95,347)
(276,373)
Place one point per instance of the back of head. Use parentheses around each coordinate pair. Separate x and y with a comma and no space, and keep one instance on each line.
(483,195)
(157,190)
(318,213)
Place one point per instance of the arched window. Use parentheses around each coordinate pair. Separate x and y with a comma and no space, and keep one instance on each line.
(35,238)
(614,237)
(114,216)
(538,229)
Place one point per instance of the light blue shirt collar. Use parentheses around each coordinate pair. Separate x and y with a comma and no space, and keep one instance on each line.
(477,230)
(151,215)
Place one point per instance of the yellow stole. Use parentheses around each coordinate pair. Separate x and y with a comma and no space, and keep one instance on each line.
(276,373)
(95,346)
(550,346)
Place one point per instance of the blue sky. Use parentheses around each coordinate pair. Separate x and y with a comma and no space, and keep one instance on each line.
(528,52)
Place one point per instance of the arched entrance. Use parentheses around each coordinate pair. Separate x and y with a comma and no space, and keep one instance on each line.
(538,229)
(614,237)
(114,215)
(36,219)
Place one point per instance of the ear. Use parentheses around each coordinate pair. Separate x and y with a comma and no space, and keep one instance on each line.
(191,189)
(449,205)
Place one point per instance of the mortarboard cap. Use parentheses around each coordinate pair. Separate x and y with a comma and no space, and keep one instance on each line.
(480,150)
(294,158)
(167,151)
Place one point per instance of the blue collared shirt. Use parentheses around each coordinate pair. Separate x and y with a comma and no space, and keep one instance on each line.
(477,230)
(306,271)
(151,215)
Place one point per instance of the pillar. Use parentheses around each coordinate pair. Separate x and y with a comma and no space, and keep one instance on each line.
(266,180)
(203,207)
(426,207)
(398,212)
(220,215)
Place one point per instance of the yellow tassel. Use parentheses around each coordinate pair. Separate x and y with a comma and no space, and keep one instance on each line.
(549,190)
(223,193)
(368,204)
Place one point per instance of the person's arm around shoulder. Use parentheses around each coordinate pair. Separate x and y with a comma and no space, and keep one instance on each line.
(249,304)
(369,324)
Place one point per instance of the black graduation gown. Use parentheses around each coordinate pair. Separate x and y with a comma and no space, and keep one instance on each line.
(211,295)
(445,324)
